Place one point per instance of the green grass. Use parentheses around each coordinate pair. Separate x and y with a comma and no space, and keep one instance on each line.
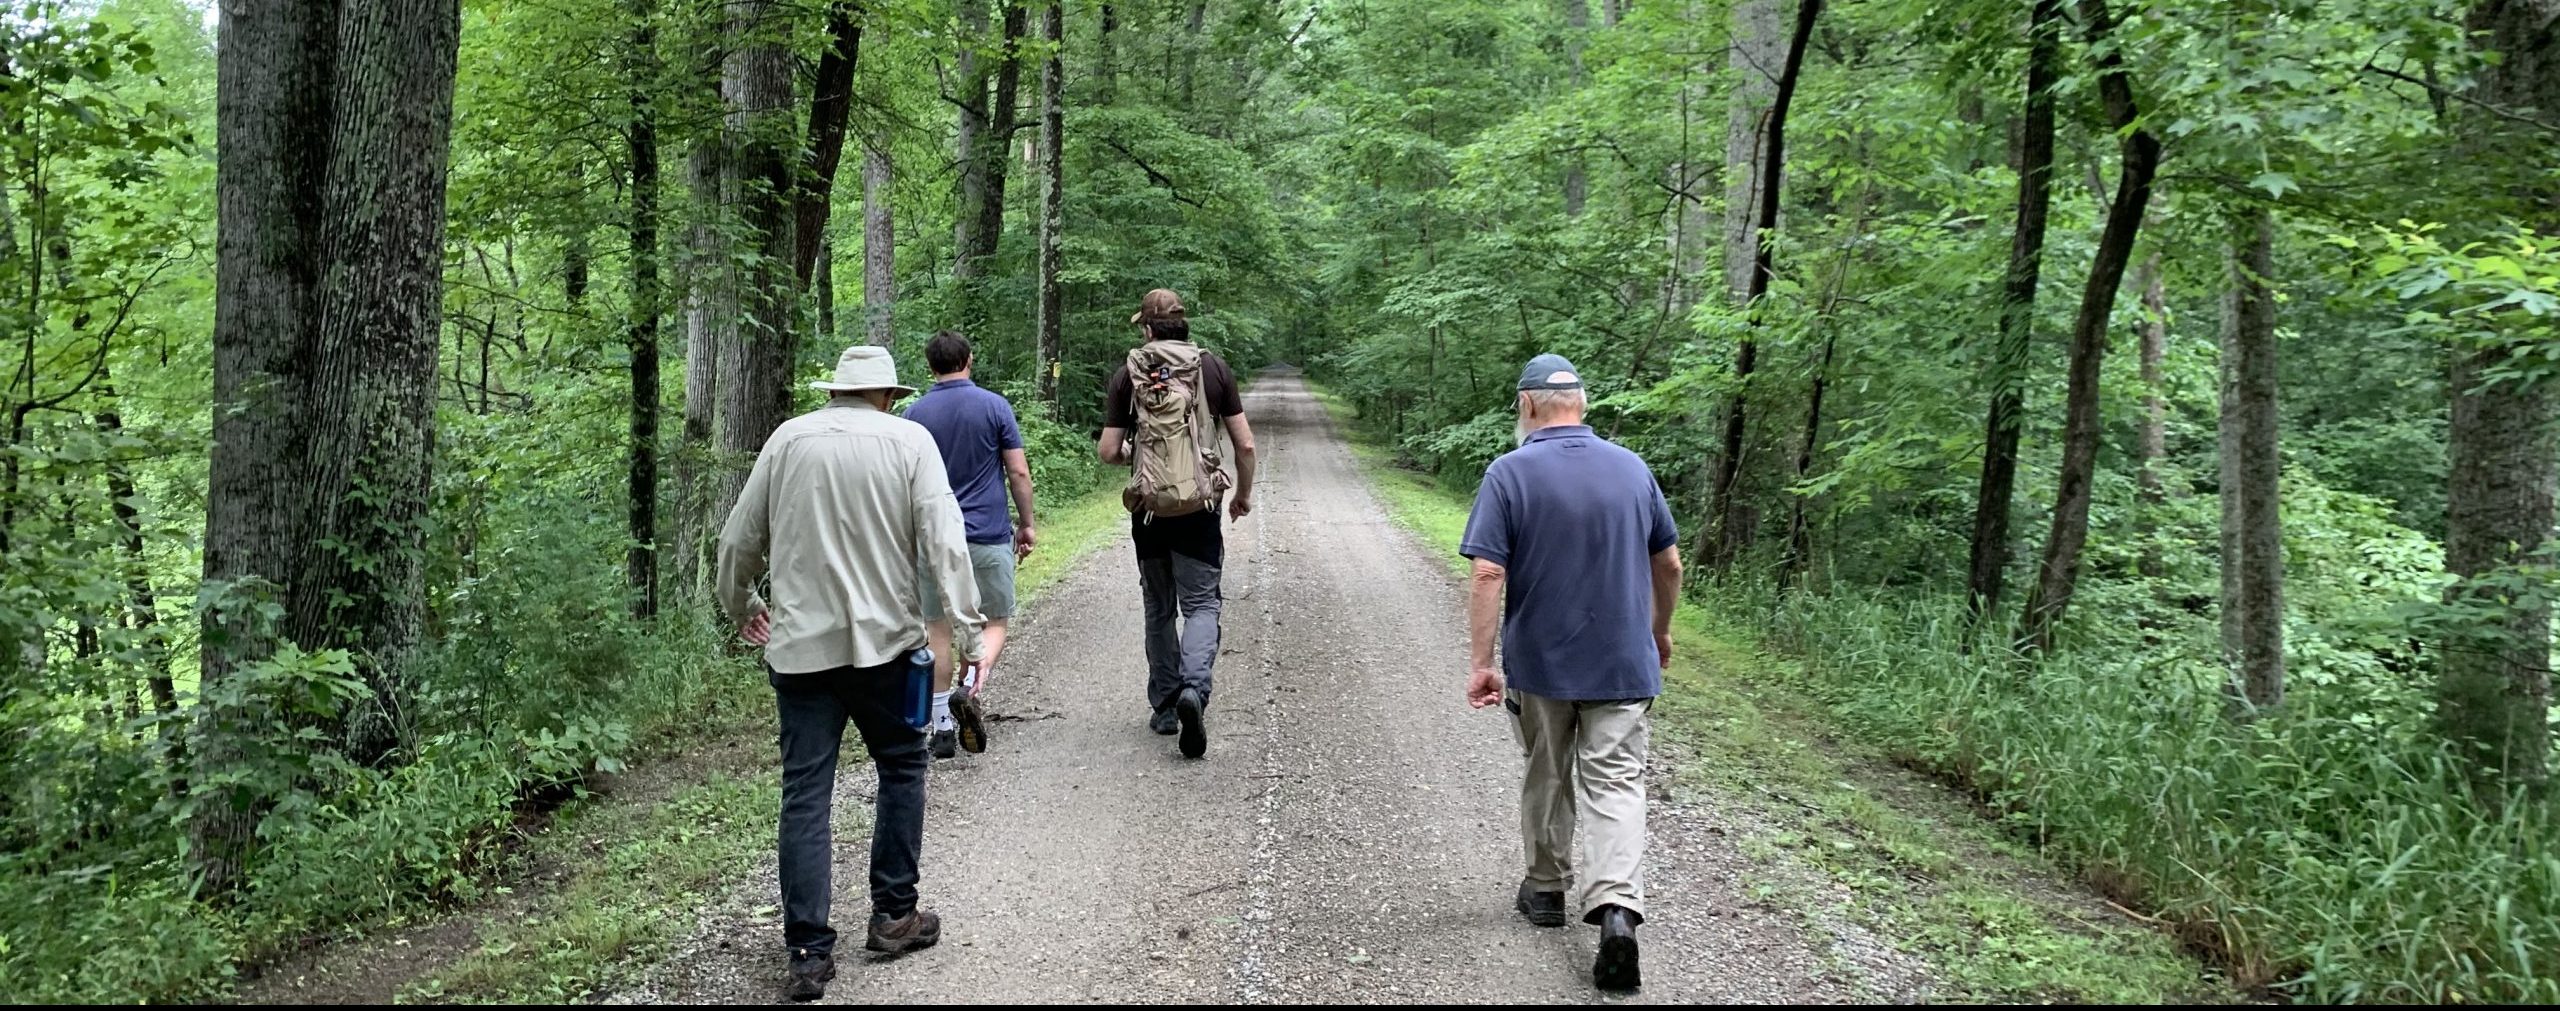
(635,873)
(640,871)
(1920,870)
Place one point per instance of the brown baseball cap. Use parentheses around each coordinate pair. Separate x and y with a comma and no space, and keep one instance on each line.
(1161,303)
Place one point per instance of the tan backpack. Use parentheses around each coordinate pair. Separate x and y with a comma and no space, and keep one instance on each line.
(1176,470)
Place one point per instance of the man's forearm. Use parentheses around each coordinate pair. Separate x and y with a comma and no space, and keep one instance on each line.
(1666,589)
(1484,616)
(1021,484)
(1244,472)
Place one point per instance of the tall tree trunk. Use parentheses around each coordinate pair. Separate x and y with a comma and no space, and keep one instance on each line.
(986,109)
(1106,58)
(2007,374)
(2154,333)
(640,559)
(333,126)
(824,291)
(2252,536)
(711,328)
(1191,48)
(2059,573)
(1053,137)
(879,244)
(1759,47)
(1723,539)
(1577,24)
(830,109)
(756,397)
(2496,688)
(142,604)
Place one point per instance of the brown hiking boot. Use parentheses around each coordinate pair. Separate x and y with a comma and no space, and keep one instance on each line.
(915,931)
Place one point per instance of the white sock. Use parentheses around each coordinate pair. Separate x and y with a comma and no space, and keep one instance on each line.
(942,711)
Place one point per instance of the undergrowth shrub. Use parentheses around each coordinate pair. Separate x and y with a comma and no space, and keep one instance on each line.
(2330,850)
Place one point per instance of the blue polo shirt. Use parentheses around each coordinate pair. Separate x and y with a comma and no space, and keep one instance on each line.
(1575,520)
(973,427)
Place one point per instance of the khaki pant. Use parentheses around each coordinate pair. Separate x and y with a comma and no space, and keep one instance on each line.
(1586,756)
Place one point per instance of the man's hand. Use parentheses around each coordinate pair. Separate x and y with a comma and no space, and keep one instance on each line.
(1662,645)
(1484,687)
(1023,539)
(1240,507)
(757,629)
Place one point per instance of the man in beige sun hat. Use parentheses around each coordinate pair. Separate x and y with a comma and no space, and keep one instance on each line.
(843,505)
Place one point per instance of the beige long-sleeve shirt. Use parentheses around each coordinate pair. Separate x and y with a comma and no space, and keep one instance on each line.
(843,505)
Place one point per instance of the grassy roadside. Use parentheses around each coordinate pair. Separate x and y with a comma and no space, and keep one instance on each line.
(1858,840)
(623,874)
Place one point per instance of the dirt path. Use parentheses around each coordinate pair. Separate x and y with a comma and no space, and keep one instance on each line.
(1351,837)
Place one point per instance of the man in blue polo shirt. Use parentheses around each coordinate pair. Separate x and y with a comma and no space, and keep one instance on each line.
(981,448)
(1578,565)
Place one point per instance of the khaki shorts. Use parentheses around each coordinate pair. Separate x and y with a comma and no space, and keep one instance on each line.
(993,565)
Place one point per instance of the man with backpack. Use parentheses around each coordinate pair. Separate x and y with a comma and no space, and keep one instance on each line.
(981,445)
(1162,411)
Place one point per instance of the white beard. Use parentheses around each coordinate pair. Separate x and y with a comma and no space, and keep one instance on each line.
(1520,430)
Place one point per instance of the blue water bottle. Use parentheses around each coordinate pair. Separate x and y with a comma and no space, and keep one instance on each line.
(919,694)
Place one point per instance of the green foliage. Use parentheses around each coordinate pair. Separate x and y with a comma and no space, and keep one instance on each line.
(2325,851)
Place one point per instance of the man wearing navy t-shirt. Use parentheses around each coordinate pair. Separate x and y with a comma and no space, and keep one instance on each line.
(1577,570)
(981,446)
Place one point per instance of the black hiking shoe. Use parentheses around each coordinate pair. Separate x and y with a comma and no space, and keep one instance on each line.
(810,971)
(1164,722)
(1544,909)
(1616,968)
(915,931)
(945,743)
(1195,731)
(972,720)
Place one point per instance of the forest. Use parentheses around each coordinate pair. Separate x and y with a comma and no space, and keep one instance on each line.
(2139,414)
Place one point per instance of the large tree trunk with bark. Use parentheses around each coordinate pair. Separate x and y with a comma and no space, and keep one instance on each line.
(333,126)
(2006,374)
(2059,574)
(640,561)
(879,244)
(1053,179)
(2496,688)
(1723,540)
(2252,532)
(756,396)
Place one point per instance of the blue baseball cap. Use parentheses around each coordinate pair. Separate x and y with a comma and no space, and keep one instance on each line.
(1550,372)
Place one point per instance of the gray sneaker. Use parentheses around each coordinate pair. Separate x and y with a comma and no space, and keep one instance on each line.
(1165,722)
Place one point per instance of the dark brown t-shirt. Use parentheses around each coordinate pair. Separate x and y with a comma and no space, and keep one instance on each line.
(1217,382)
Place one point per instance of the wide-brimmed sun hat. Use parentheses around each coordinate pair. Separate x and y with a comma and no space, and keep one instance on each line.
(864,367)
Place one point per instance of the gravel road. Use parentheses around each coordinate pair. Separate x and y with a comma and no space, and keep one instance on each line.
(1351,836)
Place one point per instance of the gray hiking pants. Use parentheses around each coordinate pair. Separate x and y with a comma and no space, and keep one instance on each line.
(1182,598)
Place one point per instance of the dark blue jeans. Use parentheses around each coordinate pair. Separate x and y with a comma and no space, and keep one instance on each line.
(814,709)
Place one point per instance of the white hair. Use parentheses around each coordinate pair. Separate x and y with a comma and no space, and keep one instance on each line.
(1544,404)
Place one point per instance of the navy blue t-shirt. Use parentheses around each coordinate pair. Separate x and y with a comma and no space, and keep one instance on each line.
(973,426)
(1575,521)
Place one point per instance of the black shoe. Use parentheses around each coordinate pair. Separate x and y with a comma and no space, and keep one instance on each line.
(1617,968)
(972,720)
(1165,722)
(810,971)
(1544,909)
(915,931)
(1195,732)
(945,744)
